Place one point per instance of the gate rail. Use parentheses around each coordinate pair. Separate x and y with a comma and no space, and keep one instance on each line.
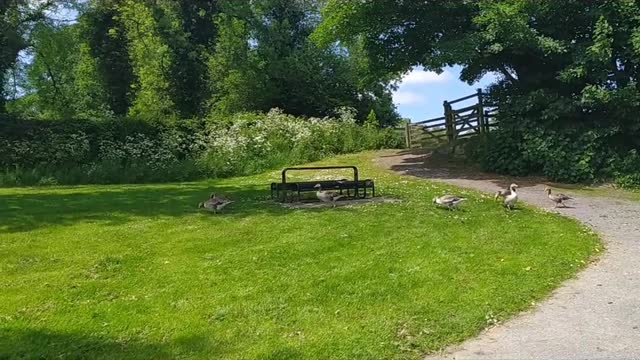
(455,124)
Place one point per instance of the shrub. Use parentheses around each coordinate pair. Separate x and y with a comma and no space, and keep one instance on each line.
(565,141)
(250,143)
(626,170)
(128,151)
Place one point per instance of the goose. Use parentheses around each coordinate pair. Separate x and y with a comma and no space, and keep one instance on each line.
(511,199)
(558,199)
(502,193)
(214,203)
(327,196)
(450,201)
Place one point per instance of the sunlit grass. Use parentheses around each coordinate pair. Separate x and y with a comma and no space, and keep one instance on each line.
(135,272)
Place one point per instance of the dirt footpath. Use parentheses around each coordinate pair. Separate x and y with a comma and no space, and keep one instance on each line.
(596,315)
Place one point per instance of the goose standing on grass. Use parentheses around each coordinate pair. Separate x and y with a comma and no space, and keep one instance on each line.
(450,201)
(214,203)
(511,199)
(327,196)
(558,199)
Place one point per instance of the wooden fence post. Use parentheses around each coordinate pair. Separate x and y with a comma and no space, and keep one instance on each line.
(407,134)
(482,126)
(449,122)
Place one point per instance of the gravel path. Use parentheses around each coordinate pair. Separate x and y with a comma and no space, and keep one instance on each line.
(594,316)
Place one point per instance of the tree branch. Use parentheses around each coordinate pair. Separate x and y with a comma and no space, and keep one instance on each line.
(54,82)
(507,74)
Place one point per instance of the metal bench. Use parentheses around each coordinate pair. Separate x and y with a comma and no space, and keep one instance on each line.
(361,188)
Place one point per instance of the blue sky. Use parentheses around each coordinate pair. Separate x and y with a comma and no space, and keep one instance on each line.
(421,93)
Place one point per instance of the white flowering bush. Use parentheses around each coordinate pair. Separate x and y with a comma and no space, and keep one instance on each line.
(250,143)
(123,151)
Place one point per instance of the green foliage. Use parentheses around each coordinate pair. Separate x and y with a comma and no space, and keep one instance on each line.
(533,140)
(104,45)
(264,59)
(170,60)
(561,157)
(151,61)
(255,142)
(627,170)
(567,89)
(188,29)
(91,98)
(129,151)
(236,81)
(16,19)
(372,120)
(52,70)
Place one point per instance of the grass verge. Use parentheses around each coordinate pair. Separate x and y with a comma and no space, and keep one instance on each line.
(135,272)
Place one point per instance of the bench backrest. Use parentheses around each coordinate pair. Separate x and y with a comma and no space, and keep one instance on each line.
(284,172)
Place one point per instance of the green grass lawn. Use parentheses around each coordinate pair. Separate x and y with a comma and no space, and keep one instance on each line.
(135,272)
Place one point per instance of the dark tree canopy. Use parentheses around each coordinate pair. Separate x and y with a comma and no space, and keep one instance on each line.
(104,36)
(169,60)
(568,68)
(16,20)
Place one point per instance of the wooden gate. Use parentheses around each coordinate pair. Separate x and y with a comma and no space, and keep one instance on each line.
(454,125)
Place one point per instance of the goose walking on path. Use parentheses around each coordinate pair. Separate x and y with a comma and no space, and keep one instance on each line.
(214,203)
(327,196)
(511,199)
(558,199)
(450,201)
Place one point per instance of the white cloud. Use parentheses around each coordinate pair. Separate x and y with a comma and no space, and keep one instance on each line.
(419,76)
(408,98)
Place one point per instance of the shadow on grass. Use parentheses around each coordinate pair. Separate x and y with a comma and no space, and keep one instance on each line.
(26,211)
(43,344)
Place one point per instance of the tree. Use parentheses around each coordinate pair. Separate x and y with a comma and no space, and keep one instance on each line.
(236,79)
(51,74)
(104,57)
(569,70)
(188,28)
(151,60)
(16,19)
(264,59)
(159,59)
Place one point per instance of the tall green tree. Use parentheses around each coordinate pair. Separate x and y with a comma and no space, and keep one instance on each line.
(17,17)
(174,37)
(236,79)
(159,59)
(192,43)
(52,72)
(106,71)
(274,64)
(151,60)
